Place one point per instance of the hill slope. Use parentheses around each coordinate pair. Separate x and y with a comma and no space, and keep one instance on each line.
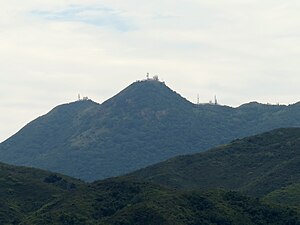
(255,165)
(289,196)
(24,191)
(144,124)
(30,196)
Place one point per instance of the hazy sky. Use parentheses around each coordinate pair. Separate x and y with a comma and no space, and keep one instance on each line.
(51,50)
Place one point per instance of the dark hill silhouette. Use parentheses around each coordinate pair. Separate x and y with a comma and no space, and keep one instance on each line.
(144,124)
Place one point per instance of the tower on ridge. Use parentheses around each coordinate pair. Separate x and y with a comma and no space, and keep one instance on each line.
(216,100)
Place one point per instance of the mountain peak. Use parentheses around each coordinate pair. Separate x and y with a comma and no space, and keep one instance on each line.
(74,106)
(147,93)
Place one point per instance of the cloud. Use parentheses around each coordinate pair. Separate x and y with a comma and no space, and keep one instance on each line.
(95,15)
(51,51)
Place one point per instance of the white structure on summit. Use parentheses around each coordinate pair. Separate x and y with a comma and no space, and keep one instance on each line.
(154,78)
(211,102)
(83,98)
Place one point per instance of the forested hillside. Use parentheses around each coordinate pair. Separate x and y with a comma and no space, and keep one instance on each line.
(257,165)
(144,124)
(30,196)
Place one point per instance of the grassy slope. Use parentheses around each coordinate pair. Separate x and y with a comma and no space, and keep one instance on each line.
(289,196)
(256,165)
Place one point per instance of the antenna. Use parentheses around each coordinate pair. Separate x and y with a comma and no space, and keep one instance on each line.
(216,101)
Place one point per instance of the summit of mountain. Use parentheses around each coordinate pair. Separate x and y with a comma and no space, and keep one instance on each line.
(48,131)
(145,94)
(145,123)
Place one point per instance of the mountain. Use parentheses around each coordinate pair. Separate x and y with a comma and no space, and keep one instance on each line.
(145,123)
(259,165)
(31,196)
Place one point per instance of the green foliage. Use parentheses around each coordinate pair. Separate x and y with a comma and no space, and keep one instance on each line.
(144,124)
(289,196)
(256,165)
(23,191)
(27,199)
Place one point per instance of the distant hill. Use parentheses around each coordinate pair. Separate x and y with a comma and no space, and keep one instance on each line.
(265,164)
(30,196)
(144,124)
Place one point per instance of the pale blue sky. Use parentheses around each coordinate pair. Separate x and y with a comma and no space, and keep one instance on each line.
(95,15)
(52,50)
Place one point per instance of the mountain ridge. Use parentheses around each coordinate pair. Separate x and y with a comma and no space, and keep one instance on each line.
(145,123)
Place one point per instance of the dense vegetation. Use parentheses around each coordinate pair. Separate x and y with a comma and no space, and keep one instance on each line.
(30,196)
(289,196)
(258,165)
(24,191)
(144,124)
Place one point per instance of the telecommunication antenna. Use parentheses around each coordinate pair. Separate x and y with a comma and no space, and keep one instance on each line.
(216,101)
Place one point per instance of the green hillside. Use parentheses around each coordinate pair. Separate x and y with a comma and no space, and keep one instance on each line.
(256,165)
(144,124)
(24,191)
(289,196)
(127,203)
(30,196)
